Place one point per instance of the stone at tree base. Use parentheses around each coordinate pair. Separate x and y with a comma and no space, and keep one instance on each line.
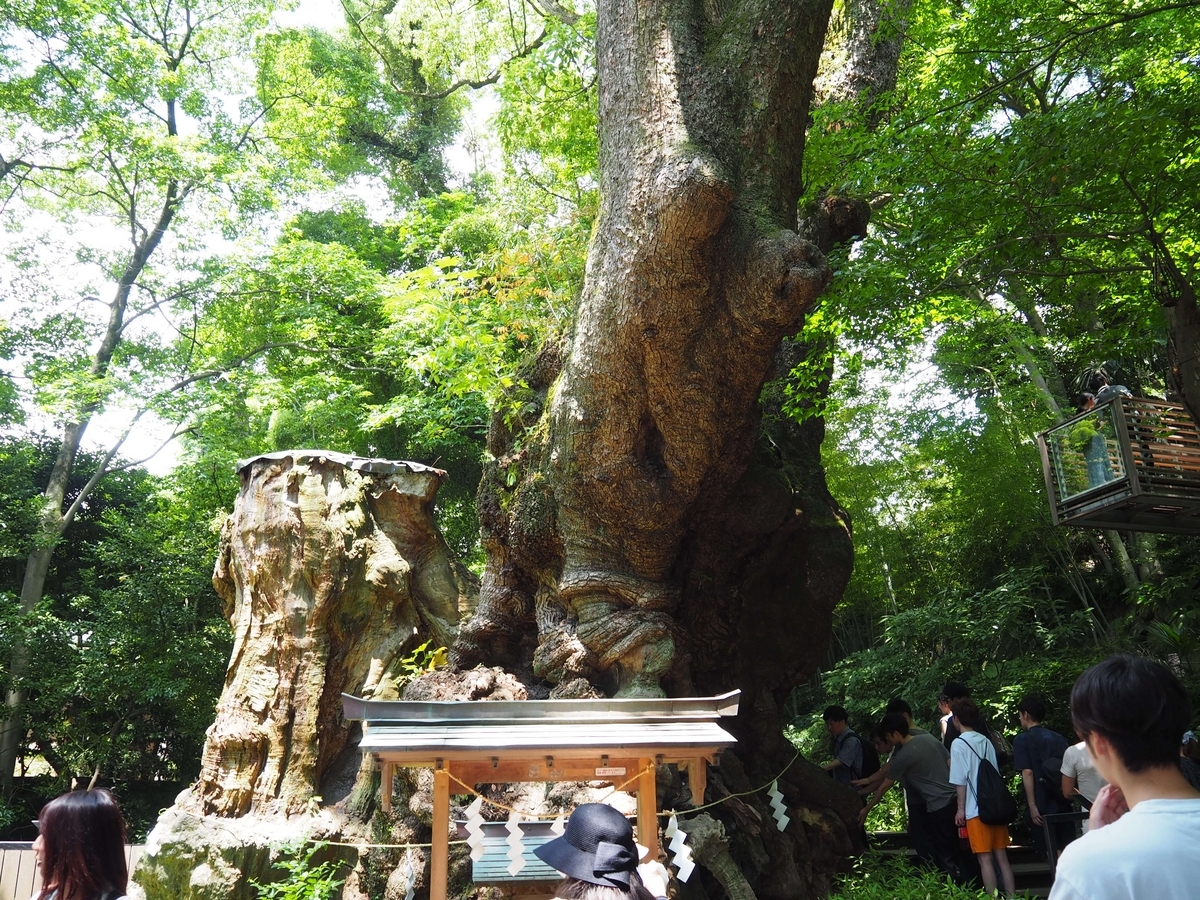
(332,570)
(193,857)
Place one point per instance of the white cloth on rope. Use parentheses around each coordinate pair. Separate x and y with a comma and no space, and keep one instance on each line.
(777,804)
(475,829)
(516,852)
(681,853)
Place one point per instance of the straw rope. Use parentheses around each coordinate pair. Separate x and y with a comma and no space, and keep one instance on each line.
(624,784)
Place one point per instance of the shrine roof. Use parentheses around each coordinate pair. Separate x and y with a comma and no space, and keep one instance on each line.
(447,727)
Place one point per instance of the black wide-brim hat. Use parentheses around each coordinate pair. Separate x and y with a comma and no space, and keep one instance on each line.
(596,847)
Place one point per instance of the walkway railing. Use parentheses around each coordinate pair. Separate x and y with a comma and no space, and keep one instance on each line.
(19,876)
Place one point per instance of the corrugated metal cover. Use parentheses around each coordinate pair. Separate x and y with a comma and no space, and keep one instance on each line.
(596,710)
(542,736)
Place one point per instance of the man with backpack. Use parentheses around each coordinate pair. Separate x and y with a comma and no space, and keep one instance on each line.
(1038,754)
(980,791)
(846,749)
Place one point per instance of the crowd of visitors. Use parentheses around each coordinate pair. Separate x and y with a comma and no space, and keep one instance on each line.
(1130,775)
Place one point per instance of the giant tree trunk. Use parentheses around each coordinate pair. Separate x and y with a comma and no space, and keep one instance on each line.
(651,534)
(332,570)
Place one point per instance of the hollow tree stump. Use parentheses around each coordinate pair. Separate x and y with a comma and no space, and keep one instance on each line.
(332,569)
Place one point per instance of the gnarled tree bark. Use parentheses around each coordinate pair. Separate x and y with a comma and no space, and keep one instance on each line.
(654,532)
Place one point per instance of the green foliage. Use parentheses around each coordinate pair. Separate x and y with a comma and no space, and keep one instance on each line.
(1004,642)
(877,877)
(888,814)
(327,104)
(547,122)
(420,661)
(305,878)
(128,646)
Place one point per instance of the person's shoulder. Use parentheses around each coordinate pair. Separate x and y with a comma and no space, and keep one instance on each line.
(1060,743)
(1188,810)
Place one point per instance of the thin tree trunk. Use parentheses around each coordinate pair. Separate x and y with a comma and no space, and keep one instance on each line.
(55,520)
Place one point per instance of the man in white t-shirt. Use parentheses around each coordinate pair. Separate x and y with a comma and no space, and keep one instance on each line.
(1144,840)
(1079,775)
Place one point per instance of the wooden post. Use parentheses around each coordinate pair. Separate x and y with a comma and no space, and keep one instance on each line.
(387,773)
(647,807)
(697,772)
(439,861)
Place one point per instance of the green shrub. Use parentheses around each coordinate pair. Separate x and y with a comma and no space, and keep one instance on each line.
(877,877)
(306,879)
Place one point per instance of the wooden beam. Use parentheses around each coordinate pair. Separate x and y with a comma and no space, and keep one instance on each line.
(507,771)
(647,807)
(439,859)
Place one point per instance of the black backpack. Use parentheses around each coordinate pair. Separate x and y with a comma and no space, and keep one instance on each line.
(1051,778)
(996,804)
(870,758)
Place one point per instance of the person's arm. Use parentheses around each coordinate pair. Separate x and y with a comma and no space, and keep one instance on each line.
(874,801)
(1068,787)
(1030,796)
(871,780)
(655,878)
(830,766)
(960,818)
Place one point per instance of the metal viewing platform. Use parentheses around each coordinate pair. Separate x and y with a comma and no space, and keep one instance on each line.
(1132,464)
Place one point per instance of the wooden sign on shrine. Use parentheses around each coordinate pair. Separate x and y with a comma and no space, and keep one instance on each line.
(499,741)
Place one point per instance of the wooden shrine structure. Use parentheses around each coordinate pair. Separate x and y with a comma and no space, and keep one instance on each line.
(500,741)
(1132,464)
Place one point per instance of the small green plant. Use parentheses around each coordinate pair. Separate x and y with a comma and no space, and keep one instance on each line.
(9,814)
(420,661)
(306,880)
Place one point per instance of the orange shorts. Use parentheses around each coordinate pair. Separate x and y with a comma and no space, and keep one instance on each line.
(986,838)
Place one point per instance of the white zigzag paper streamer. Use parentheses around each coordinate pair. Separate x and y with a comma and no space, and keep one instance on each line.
(475,829)
(681,853)
(517,847)
(780,811)
(410,876)
(559,826)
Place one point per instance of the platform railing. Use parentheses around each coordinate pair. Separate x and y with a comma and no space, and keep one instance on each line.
(1132,463)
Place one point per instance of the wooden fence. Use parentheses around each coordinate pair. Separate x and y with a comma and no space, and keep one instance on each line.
(19,876)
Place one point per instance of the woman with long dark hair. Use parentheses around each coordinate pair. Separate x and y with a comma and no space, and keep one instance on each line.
(600,859)
(81,848)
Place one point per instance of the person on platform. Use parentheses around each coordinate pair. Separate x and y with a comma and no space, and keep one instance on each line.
(920,763)
(1080,778)
(846,747)
(951,693)
(1144,836)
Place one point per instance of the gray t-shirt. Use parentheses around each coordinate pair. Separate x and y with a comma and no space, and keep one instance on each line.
(920,765)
